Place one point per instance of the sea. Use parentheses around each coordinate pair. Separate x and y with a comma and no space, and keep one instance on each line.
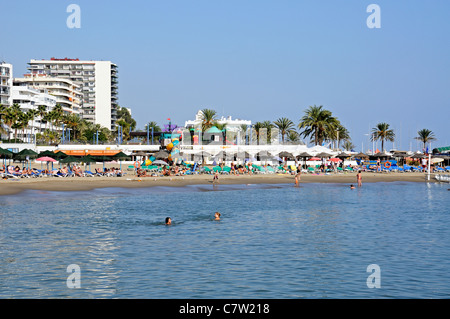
(382,240)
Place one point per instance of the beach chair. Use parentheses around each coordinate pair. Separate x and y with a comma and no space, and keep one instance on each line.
(447,168)
(311,170)
(270,170)
(226,170)
(217,169)
(205,170)
(88,174)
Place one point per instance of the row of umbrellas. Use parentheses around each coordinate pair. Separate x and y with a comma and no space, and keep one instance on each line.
(49,156)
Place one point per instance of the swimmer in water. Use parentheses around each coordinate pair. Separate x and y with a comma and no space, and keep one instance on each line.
(168,221)
(352,187)
(217,216)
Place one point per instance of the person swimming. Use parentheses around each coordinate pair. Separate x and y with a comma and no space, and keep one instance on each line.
(168,221)
(217,216)
(352,187)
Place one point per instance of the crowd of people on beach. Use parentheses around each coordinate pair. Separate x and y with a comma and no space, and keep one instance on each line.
(11,171)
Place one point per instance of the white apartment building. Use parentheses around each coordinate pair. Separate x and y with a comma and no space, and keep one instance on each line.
(68,94)
(29,98)
(6,82)
(97,79)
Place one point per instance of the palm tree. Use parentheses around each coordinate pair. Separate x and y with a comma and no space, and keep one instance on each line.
(42,110)
(382,132)
(208,119)
(10,119)
(73,121)
(223,128)
(243,129)
(31,114)
(154,125)
(348,145)
(2,113)
(58,114)
(16,117)
(285,126)
(318,123)
(293,136)
(425,136)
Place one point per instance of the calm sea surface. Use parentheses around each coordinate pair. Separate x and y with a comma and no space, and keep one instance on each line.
(273,241)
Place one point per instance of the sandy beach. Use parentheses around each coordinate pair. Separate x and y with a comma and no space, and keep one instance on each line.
(14,186)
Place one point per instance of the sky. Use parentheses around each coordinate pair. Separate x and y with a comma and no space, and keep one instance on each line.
(256,59)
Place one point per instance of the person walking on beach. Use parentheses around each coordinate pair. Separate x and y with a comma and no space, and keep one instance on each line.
(216,177)
(359,179)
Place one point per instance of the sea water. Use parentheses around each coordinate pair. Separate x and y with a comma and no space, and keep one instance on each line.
(273,241)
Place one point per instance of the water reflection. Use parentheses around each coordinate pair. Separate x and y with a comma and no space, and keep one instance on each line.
(313,241)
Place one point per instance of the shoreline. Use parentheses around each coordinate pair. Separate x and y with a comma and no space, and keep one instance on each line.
(12,187)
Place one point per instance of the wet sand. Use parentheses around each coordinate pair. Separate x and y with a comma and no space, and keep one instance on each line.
(14,186)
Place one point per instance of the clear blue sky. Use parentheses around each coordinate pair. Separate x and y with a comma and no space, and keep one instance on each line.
(257,60)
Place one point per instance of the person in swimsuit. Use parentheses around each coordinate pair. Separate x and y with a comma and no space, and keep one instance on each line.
(359,178)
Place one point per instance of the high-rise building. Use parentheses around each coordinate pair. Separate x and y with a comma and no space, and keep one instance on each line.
(97,79)
(6,83)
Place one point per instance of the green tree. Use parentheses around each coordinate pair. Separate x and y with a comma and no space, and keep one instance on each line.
(425,136)
(382,132)
(124,114)
(285,126)
(42,111)
(318,124)
(208,119)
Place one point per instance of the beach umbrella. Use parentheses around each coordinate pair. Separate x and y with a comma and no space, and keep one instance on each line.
(5,154)
(103,159)
(121,156)
(70,159)
(324,154)
(436,160)
(264,155)
(286,154)
(304,154)
(342,155)
(46,153)
(161,155)
(314,159)
(418,155)
(361,155)
(25,154)
(88,159)
(45,159)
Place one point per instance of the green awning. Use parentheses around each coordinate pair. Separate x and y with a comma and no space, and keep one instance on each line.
(442,149)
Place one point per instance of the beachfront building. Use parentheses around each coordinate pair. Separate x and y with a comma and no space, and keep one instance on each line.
(28,99)
(6,82)
(213,134)
(98,81)
(67,94)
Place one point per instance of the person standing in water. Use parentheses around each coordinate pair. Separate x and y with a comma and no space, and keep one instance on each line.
(216,216)
(297,175)
(359,178)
